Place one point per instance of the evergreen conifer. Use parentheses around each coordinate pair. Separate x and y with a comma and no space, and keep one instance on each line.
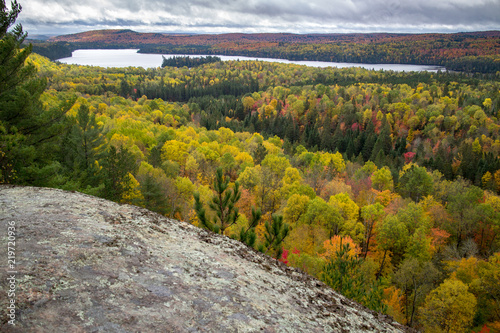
(27,131)
(222,204)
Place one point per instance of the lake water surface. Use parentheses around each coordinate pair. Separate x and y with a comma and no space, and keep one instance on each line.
(129,57)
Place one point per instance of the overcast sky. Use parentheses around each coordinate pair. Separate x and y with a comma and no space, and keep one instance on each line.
(249,16)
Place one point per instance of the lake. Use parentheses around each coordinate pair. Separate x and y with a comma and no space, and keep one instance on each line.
(130,57)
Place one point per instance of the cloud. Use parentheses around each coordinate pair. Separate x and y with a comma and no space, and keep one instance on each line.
(300,16)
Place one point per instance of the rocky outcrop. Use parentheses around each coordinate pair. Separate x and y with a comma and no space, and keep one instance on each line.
(89,265)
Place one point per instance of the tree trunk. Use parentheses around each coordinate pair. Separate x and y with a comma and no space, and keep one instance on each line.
(377,276)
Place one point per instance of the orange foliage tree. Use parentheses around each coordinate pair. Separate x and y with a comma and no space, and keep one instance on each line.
(334,244)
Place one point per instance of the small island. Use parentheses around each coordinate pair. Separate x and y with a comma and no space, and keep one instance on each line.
(188,61)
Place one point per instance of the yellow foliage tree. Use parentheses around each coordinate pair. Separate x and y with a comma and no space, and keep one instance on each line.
(465,270)
(133,195)
(497,180)
(449,308)
(296,207)
(174,151)
(248,103)
(334,162)
(349,211)
(291,175)
(306,239)
(487,180)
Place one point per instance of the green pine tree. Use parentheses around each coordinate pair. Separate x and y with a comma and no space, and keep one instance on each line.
(259,153)
(344,274)
(248,235)
(415,183)
(89,136)
(82,147)
(383,142)
(222,204)
(154,199)
(116,166)
(27,131)
(275,235)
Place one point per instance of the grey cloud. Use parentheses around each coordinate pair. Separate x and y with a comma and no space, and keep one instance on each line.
(271,15)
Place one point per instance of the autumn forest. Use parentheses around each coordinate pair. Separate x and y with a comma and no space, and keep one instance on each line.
(384,185)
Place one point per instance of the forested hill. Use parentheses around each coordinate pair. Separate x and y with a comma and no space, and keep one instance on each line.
(137,38)
(472,51)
